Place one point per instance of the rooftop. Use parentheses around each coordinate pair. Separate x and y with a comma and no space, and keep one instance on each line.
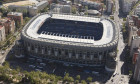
(107,29)
(15,13)
(1,26)
(40,3)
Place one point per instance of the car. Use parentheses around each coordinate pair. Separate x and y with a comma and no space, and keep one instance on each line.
(121,80)
(31,66)
(39,60)
(39,67)
(71,65)
(65,64)
(87,71)
(64,73)
(38,70)
(42,64)
(94,72)
(114,74)
(53,70)
(50,62)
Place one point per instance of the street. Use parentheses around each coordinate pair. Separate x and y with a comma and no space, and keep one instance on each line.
(118,77)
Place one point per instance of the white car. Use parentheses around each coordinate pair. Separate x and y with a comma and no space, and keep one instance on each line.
(38,70)
(39,60)
(65,64)
(31,66)
(43,64)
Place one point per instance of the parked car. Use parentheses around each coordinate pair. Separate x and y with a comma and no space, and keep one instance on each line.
(42,64)
(31,66)
(38,70)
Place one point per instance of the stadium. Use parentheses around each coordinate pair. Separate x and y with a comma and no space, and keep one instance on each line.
(80,40)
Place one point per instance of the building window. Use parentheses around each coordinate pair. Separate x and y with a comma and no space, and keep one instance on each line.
(80,54)
(45,49)
(88,54)
(52,50)
(66,52)
(73,53)
(59,51)
(32,47)
(95,55)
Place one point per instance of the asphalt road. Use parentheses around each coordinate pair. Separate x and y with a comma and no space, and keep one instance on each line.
(3,57)
(118,77)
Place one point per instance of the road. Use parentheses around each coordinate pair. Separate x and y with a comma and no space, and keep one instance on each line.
(119,78)
(3,57)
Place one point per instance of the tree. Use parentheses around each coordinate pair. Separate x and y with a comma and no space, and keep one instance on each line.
(89,79)
(86,7)
(25,13)
(71,79)
(26,19)
(52,77)
(2,10)
(44,10)
(73,10)
(76,82)
(78,77)
(124,19)
(83,82)
(18,25)
(6,64)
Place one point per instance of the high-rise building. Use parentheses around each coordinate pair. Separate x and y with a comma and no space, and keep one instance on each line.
(8,24)
(136,75)
(127,5)
(16,16)
(2,33)
(109,4)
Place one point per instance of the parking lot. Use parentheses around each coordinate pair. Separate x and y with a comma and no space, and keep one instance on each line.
(60,69)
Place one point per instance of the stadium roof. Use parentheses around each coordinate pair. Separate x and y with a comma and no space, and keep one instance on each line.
(107,29)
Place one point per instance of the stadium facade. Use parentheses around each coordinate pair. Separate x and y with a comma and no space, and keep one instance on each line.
(71,39)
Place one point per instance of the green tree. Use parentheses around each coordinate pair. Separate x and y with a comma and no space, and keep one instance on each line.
(44,10)
(26,19)
(71,79)
(25,13)
(89,79)
(78,77)
(86,7)
(73,10)
(76,82)
(83,82)
(6,64)
(18,25)
(52,78)
(124,19)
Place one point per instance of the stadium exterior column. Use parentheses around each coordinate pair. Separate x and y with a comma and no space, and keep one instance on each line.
(43,49)
(63,52)
(49,52)
(84,55)
(70,54)
(98,55)
(77,55)
(56,52)
(106,53)
(36,49)
(91,56)
(29,48)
